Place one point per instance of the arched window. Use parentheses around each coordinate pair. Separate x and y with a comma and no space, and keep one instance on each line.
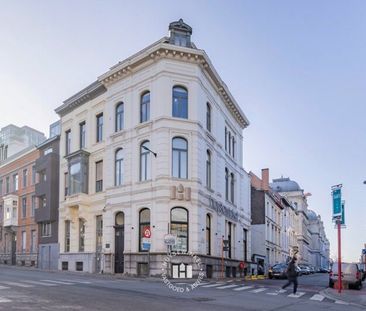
(180,158)
(120,219)
(208,234)
(119,117)
(208,117)
(81,235)
(208,169)
(145,161)
(179,228)
(145,107)
(232,187)
(144,226)
(180,102)
(118,164)
(226,183)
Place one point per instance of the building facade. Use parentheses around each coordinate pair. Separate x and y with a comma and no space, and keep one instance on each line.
(14,139)
(19,234)
(47,196)
(267,222)
(154,147)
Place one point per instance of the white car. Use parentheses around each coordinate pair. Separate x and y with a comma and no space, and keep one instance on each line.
(351,275)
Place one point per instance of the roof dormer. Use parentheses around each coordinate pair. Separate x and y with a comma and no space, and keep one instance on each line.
(180,34)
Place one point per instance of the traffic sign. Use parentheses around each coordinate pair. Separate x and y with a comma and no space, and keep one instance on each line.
(337,201)
(147,232)
(170,239)
(146,243)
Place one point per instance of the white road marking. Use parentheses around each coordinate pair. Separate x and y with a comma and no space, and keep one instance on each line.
(4,299)
(4,287)
(203,283)
(317,297)
(297,295)
(258,290)
(39,283)
(340,302)
(58,282)
(213,285)
(17,284)
(229,281)
(82,282)
(243,288)
(276,293)
(227,286)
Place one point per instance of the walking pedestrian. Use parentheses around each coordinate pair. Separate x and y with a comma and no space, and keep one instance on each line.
(291,274)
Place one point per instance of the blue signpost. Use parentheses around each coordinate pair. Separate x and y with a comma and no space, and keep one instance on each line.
(337,216)
(337,201)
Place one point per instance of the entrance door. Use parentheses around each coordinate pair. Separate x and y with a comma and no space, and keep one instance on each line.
(119,242)
(13,248)
(99,244)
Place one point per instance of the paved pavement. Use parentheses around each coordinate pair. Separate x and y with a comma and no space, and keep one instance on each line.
(25,289)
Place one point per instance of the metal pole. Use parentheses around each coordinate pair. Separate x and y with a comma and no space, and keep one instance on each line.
(222,258)
(339,257)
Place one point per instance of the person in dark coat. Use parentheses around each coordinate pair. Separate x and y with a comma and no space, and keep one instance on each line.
(291,274)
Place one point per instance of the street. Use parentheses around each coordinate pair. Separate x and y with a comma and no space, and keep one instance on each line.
(26,289)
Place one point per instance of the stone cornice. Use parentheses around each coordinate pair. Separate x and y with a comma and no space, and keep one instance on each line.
(162,50)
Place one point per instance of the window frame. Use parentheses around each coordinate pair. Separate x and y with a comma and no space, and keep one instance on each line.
(98,182)
(208,169)
(145,155)
(186,223)
(179,151)
(208,117)
(68,142)
(180,107)
(142,225)
(119,117)
(118,163)
(145,106)
(82,134)
(99,127)
(208,234)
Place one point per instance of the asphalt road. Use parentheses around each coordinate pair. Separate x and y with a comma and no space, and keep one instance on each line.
(25,289)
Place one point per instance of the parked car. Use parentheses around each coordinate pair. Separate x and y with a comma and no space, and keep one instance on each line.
(278,271)
(323,270)
(298,270)
(304,269)
(363,273)
(351,275)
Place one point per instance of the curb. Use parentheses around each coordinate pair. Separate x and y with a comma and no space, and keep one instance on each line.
(330,296)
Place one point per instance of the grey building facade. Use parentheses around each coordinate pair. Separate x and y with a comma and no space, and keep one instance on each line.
(47,193)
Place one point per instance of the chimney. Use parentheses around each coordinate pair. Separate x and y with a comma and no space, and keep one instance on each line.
(265,179)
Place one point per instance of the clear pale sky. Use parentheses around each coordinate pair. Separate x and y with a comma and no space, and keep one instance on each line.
(297,69)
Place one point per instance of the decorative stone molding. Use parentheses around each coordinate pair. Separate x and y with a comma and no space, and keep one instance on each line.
(180,193)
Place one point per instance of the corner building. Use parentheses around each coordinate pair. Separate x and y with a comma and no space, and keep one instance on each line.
(154,145)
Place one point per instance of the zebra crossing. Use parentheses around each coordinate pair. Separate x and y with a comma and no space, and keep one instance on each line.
(270,291)
(28,284)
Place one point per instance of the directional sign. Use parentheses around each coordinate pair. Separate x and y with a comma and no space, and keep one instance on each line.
(146,243)
(343,221)
(337,202)
(170,239)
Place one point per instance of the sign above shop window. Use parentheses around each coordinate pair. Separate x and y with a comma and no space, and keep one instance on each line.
(223,210)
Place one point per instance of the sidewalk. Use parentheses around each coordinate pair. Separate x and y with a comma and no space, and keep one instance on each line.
(351,296)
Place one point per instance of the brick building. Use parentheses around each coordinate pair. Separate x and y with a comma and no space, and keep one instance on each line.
(18,231)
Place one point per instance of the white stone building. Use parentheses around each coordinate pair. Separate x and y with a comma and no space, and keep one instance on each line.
(154,146)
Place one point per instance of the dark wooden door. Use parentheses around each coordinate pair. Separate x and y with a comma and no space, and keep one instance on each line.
(119,249)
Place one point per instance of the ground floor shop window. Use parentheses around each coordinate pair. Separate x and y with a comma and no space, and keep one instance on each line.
(179,228)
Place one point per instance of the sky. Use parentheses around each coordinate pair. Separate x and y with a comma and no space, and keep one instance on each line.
(297,69)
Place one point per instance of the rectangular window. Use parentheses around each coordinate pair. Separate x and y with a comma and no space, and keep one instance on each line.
(33,205)
(33,241)
(81,235)
(48,150)
(99,127)
(245,244)
(7,189)
(42,202)
(25,177)
(99,176)
(67,236)
(1,187)
(33,175)
(82,134)
(66,183)
(46,229)
(15,182)
(24,241)
(24,207)
(67,142)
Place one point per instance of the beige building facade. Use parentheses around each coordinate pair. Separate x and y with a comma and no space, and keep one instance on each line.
(154,147)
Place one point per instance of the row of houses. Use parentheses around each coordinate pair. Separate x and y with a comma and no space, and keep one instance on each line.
(152,149)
